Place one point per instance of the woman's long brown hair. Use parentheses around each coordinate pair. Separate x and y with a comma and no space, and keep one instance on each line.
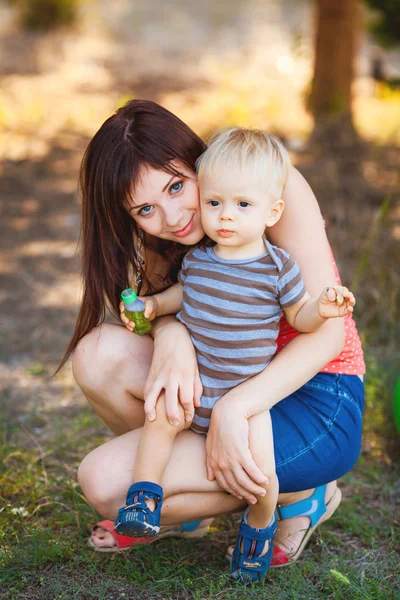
(141,133)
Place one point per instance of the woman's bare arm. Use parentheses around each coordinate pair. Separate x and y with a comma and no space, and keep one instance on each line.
(173,369)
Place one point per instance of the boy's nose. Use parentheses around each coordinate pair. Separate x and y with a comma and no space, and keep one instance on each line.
(226,215)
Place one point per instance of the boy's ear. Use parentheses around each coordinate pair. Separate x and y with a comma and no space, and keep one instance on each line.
(275,212)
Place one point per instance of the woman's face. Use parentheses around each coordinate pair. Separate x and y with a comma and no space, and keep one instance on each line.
(167,206)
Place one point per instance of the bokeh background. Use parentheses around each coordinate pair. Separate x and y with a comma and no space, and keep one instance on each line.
(325,76)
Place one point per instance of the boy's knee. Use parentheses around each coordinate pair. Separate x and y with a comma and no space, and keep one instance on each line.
(161,423)
(173,423)
(272,480)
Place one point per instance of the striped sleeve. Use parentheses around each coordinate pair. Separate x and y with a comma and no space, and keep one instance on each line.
(184,267)
(182,274)
(290,287)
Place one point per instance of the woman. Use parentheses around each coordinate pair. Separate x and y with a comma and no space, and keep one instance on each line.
(140,215)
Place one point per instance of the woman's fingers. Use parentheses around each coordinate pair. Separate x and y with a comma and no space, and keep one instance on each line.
(186,399)
(255,474)
(151,396)
(171,403)
(210,472)
(197,391)
(236,489)
(219,476)
(246,483)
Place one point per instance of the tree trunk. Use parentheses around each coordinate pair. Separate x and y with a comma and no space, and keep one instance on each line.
(337,32)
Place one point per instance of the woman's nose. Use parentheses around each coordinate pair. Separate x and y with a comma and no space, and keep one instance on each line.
(173,216)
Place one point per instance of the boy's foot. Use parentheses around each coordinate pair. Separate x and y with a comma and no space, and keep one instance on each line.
(295,531)
(141,515)
(251,556)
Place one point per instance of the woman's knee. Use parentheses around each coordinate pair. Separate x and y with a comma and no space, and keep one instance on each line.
(94,354)
(100,356)
(96,489)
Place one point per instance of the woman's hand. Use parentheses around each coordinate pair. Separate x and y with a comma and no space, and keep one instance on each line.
(150,311)
(173,369)
(229,460)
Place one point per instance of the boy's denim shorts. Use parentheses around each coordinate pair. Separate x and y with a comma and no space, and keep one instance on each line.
(317,431)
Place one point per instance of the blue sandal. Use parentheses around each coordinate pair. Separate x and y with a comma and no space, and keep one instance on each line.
(247,564)
(316,510)
(136,519)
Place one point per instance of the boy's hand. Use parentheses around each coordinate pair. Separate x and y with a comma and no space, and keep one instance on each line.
(336,301)
(150,311)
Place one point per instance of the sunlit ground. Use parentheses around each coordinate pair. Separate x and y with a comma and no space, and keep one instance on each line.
(35,109)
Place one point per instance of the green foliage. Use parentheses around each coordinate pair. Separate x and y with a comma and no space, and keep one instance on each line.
(44,15)
(386,24)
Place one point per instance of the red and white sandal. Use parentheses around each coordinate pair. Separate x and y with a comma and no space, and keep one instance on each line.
(191,530)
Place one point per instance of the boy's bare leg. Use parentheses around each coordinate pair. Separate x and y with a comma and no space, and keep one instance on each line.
(155,447)
(262,450)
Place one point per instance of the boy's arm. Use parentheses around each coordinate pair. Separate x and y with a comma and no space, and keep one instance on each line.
(309,314)
(168,302)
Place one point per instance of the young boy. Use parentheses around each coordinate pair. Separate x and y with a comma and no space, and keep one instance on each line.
(231,296)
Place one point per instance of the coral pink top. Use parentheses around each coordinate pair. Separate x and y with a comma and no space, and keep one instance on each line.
(351,359)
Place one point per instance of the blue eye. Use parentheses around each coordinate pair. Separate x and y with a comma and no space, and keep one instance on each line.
(176,187)
(242,202)
(214,202)
(143,212)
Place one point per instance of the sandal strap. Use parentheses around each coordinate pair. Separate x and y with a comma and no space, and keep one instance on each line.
(313,507)
(258,535)
(144,489)
(254,539)
(190,526)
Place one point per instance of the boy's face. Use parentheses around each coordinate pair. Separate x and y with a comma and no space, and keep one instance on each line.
(235,208)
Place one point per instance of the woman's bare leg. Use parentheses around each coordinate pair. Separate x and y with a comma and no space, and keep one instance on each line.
(185,474)
(110,365)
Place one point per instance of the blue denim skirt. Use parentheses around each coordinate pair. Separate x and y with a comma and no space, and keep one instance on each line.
(317,431)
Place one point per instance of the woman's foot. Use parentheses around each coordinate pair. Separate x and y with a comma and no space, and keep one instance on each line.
(292,530)
(105,539)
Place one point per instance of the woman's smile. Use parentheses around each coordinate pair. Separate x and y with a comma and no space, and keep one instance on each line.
(186,230)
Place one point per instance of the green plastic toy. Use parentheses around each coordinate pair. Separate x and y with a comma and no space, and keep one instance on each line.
(134,311)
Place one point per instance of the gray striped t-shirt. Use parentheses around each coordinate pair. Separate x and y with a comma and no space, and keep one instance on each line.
(232,310)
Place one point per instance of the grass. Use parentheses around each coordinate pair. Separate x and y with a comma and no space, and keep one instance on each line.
(44,518)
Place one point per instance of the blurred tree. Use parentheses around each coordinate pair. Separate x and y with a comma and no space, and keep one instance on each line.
(385,25)
(338,25)
(46,14)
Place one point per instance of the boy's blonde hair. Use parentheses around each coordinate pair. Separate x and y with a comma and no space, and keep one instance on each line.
(249,151)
